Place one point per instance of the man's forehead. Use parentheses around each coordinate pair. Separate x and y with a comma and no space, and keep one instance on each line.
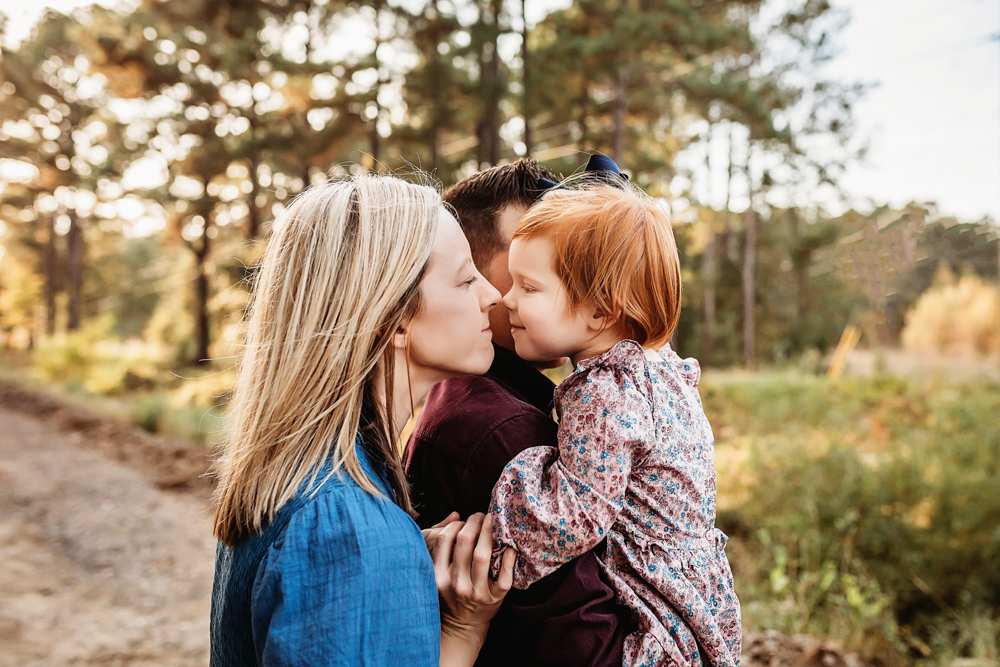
(507,220)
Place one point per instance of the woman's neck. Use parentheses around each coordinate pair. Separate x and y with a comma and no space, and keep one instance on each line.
(410,387)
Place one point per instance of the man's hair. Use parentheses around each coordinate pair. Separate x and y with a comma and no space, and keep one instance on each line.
(614,250)
(479,199)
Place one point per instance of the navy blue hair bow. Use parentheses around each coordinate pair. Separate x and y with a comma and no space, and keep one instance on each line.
(599,168)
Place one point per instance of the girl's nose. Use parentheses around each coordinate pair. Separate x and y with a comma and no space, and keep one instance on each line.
(508,299)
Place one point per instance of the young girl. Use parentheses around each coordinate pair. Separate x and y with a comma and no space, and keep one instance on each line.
(597,279)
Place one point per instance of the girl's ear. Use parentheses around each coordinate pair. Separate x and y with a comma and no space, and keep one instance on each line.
(598,320)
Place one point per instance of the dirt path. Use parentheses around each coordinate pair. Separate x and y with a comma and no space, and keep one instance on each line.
(97,564)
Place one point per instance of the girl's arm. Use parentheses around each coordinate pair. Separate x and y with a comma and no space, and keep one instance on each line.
(553,505)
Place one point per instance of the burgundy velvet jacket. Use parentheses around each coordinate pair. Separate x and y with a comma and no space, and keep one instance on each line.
(469,429)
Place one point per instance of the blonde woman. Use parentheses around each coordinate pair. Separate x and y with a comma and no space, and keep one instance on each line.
(366,296)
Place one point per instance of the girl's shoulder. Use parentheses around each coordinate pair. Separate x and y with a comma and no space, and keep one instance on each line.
(628,366)
(626,356)
(688,368)
(620,369)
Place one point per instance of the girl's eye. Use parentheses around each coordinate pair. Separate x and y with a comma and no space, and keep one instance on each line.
(471,281)
(529,290)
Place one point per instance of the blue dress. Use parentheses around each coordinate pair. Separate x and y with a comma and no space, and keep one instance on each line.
(340,577)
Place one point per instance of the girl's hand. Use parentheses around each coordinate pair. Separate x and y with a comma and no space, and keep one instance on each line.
(469,597)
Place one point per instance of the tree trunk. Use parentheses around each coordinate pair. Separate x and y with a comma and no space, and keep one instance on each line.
(800,263)
(74,272)
(490,85)
(51,274)
(374,137)
(526,96)
(201,249)
(492,124)
(710,268)
(253,217)
(376,140)
(201,333)
(621,92)
(437,73)
(749,286)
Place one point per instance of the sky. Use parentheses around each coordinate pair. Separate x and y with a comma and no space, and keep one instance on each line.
(932,119)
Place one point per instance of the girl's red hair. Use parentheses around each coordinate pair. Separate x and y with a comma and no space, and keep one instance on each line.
(615,251)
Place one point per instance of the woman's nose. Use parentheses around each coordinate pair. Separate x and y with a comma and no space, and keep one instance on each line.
(490,296)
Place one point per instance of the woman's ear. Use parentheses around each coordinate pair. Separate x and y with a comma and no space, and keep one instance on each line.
(400,338)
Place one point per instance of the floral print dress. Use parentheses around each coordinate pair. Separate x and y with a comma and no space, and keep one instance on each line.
(634,465)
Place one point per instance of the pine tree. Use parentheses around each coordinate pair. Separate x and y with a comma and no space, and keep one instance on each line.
(65,132)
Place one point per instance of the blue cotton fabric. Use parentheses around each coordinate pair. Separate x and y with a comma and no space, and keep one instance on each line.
(340,577)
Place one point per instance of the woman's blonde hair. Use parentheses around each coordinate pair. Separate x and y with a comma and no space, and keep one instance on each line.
(338,277)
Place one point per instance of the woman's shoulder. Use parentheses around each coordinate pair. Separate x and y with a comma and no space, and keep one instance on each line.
(333,507)
(339,508)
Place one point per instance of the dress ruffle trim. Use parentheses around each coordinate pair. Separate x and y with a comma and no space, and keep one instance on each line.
(631,357)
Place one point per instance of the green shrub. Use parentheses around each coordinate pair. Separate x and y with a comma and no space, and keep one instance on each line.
(69,358)
(864,509)
(147,412)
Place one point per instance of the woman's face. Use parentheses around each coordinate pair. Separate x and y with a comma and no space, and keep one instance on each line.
(450,334)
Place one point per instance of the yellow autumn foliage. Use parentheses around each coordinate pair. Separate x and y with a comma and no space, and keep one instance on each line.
(955,316)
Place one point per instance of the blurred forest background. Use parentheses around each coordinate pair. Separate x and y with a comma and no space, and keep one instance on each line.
(145,150)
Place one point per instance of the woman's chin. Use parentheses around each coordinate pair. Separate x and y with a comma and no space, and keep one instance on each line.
(482,360)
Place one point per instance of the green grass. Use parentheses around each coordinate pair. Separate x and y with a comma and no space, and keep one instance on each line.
(188,407)
(863,509)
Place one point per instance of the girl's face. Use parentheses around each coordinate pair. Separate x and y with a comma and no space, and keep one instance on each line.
(541,321)
(450,334)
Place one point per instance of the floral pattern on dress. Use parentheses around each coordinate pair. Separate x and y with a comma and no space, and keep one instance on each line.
(634,465)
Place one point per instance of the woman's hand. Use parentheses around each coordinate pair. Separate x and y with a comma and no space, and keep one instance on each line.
(431,534)
(469,597)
